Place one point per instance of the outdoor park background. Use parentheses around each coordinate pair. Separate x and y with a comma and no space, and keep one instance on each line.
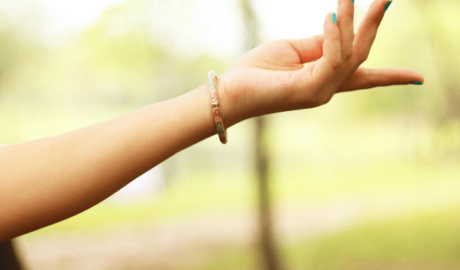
(369,181)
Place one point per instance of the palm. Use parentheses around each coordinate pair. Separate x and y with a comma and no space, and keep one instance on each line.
(255,73)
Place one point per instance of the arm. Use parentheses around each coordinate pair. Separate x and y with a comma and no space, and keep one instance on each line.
(48,180)
(51,179)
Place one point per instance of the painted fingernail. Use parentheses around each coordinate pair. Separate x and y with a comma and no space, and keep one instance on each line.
(417,83)
(334,18)
(387,5)
(352,1)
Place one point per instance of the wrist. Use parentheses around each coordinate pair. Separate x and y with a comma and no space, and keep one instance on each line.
(231,115)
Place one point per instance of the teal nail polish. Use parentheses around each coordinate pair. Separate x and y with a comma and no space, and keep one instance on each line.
(417,83)
(387,5)
(334,18)
(352,1)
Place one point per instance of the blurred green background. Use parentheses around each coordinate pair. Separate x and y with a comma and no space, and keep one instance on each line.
(369,181)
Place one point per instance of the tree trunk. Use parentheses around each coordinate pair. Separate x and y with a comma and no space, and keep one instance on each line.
(268,248)
(269,254)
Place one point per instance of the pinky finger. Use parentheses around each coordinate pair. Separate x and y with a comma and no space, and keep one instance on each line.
(365,78)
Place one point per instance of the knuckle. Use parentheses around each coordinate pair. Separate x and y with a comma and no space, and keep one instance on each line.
(362,56)
(365,56)
(322,98)
(346,55)
(375,22)
(336,37)
(325,99)
(336,63)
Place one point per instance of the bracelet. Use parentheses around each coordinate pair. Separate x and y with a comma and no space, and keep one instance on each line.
(215,108)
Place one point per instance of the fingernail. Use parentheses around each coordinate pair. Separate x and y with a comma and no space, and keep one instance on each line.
(387,5)
(417,83)
(352,1)
(334,18)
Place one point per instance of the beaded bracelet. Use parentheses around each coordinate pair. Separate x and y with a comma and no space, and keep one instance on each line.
(215,108)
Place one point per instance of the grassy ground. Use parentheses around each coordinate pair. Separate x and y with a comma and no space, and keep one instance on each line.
(423,241)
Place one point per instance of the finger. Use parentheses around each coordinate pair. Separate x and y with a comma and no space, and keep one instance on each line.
(365,78)
(326,67)
(309,49)
(367,30)
(345,15)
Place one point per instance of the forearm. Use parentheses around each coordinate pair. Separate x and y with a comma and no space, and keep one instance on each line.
(51,179)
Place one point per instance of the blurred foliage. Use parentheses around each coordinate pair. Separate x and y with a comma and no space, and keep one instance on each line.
(15,48)
(6,49)
(111,68)
(424,37)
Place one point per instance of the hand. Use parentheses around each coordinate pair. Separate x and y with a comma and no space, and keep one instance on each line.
(273,78)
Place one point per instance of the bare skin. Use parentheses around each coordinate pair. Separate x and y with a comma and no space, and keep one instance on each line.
(49,180)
